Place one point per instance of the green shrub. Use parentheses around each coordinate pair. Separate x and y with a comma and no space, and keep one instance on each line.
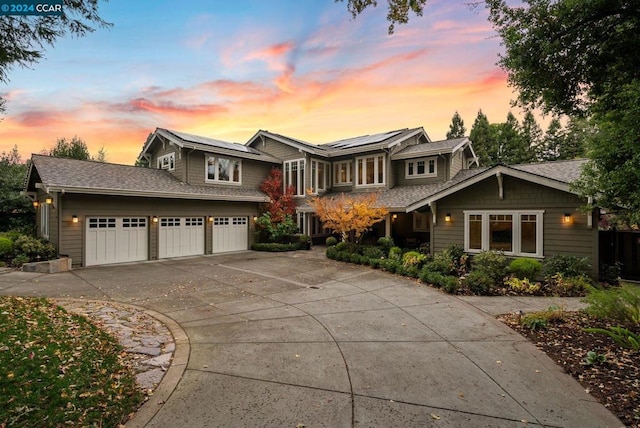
(274,247)
(356,258)
(609,274)
(541,319)
(525,268)
(19,260)
(492,264)
(456,255)
(386,242)
(330,241)
(395,253)
(342,246)
(373,252)
(523,286)
(6,247)
(620,303)
(331,252)
(431,277)
(33,249)
(533,322)
(567,266)
(413,259)
(479,282)
(622,336)
(450,284)
(390,265)
(270,231)
(572,286)
(412,271)
(442,263)
(375,263)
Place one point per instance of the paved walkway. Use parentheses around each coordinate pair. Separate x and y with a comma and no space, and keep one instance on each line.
(297,340)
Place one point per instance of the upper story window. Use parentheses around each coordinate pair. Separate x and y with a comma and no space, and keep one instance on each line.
(167,161)
(370,170)
(224,170)
(294,176)
(342,173)
(416,168)
(319,176)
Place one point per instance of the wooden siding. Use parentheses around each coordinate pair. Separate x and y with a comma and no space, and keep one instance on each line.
(399,171)
(253,172)
(278,149)
(160,149)
(457,163)
(575,239)
(72,239)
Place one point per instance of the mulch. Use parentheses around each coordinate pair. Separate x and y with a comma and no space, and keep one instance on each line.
(615,382)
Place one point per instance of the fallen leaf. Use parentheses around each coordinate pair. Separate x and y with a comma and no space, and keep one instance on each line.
(434,416)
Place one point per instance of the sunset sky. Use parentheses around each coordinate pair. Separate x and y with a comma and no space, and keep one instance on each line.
(225,69)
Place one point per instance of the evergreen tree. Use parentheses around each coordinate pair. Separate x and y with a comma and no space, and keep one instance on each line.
(74,149)
(456,128)
(551,142)
(532,136)
(579,131)
(482,138)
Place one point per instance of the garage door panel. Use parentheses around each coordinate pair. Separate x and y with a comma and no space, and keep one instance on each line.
(181,236)
(116,240)
(230,234)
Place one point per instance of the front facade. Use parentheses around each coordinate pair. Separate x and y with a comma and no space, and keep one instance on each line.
(201,196)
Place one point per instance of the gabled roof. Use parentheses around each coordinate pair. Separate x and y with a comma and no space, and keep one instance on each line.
(205,144)
(293,142)
(433,148)
(557,175)
(89,177)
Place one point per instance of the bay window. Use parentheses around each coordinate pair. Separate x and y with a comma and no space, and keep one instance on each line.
(511,232)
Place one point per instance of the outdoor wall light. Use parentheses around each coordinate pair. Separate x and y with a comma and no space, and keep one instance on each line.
(155,219)
(35,204)
(395,216)
(255,218)
(210,219)
(74,218)
(567,218)
(49,201)
(447,217)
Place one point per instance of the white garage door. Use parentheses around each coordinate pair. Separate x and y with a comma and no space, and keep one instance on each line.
(116,240)
(180,236)
(230,234)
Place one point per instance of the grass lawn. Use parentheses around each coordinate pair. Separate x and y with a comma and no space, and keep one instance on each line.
(59,369)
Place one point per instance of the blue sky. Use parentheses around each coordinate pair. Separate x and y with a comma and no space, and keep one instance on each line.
(226,69)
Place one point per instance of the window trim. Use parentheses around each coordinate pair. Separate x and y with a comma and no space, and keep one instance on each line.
(171,161)
(44,220)
(215,179)
(315,175)
(515,231)
(300,175)
(376,171)
(426,160)
(336,175)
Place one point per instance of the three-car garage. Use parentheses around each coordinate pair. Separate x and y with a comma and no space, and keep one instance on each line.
(123,239)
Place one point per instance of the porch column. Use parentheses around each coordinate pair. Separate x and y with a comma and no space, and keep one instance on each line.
(387,226)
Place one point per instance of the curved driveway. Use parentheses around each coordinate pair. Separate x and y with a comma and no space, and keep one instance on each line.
(286,340)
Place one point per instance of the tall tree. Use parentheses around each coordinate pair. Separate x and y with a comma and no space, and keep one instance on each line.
(73,149)
(456,128)
(552,142)
(532,135)
(512,148)
(578,133)
(15,210)
(25,38)
(483,139)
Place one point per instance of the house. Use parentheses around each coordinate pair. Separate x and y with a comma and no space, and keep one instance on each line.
(201,195)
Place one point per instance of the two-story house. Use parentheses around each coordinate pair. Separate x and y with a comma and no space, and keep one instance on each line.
(201,196)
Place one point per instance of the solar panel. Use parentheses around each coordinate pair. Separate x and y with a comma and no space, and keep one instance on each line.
(363,140)
(215,143)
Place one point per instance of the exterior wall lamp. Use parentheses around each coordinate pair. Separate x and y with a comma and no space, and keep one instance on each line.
(447,217)
(210,219)
(155,219)
(36,204)
(255,218)
(566,219)
(394,217)
(49,201)
(74,218)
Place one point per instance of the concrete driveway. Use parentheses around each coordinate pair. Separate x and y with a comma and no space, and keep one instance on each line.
(286,340)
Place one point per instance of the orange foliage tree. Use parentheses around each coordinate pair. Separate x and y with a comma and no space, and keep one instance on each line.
(349,215)
(281,202)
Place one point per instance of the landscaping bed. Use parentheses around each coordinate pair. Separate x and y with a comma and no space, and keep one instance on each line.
(614,378)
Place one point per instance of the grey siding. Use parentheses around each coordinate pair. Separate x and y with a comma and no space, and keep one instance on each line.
(278,149)
(160,149)
(575,239)
(399,168)
(72,234)
(457,163)
(253,172)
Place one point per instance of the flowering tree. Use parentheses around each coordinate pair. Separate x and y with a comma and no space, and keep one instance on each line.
(281,202)
(349,215)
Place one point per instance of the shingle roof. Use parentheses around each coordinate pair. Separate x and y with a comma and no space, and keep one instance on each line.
(77,176)
(435,147)
(564,171)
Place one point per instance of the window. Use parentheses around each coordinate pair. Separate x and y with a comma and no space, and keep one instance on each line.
(416,168)
(512,232)
(319,176)
(167,161)
(342,172)
(294,176)
(44,220)
(300,222)
(420,222)
(370,170)
(223,170)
